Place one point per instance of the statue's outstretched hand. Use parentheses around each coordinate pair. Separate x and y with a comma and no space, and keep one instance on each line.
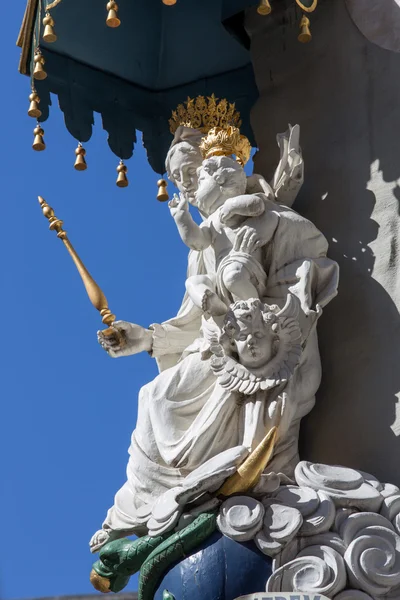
(128,339)
(178,204)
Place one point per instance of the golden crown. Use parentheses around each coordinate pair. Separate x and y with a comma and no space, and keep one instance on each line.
(225,142)
(219,121)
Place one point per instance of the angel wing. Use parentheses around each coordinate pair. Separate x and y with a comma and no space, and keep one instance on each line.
(289,174)
(291,308)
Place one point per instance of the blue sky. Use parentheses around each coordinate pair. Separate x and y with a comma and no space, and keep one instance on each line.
(68,409)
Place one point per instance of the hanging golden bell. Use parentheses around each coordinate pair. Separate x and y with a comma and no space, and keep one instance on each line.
(112,17)
(34,110)
(169,2)
(264,7)
(305,33)
(122,180)
(80,162)
(39,73)
(49,35)
(38,142)
(162,194)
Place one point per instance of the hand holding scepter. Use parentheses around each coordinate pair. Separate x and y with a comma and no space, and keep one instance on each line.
(96,296)
(120,338)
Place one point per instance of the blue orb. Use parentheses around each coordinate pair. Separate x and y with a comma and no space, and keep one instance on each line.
(220,569)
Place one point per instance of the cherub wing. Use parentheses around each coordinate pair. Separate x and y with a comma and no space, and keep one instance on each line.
(211,331)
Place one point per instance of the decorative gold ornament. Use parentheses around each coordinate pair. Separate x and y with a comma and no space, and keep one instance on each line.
(203,114)
(162,194)
(249,472)
(80,162)
(264,7)
(96,296)
(39,73)
(112,17)
(101,584)
(34,110)
(169,2)
(306,8)
(49,35)
(122,180)
(305,33)
(219,120)
(38,142)
(225,142)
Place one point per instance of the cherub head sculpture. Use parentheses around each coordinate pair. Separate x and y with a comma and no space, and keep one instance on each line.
(184,159)
(258,346)
(219,178)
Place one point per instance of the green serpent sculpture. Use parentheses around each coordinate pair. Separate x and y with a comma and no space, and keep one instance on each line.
(173,549)
(120,559)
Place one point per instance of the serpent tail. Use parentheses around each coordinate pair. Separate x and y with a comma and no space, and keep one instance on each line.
(176,547)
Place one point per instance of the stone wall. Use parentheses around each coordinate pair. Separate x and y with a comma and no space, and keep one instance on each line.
(344,91)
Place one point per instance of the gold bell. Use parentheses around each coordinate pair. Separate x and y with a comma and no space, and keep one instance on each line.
(162,194)
(34,110)
(112,17)
(305,33)
(38,142)
(122,180)
(80,162)
(264,7)
(39,73)
(49,35)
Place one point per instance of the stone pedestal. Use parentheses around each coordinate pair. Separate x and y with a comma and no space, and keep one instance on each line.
(344,91)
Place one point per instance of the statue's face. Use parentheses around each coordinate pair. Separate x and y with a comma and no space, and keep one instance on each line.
(254,341)
(184,161)
(219,178)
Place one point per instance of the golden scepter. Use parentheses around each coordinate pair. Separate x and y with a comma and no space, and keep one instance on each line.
(96,296)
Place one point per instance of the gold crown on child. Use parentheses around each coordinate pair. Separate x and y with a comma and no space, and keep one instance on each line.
(219,121)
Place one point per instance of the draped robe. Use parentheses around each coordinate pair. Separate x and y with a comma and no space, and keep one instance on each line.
(185,417)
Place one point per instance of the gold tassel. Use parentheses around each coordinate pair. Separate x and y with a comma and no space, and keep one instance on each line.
(39,73)
(264,7)
(80,162)
(49,35)
(34,110)
(169,2)
(305,33)
(122,180)
(112,17)
(38,142)
(162,194)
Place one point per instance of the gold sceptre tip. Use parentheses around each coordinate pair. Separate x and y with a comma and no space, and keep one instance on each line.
(96,296)
(250,471)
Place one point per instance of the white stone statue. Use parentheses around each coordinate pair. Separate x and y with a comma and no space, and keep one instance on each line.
(221,197)
(212,403)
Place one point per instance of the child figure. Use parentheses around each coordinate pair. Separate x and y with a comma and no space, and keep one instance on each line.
(236,225)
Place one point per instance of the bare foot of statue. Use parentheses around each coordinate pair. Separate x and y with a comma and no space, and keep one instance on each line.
(101,537)
(212,304)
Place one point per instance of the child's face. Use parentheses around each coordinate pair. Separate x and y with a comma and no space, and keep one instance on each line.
(254,342)
(210,179)
(219,178)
